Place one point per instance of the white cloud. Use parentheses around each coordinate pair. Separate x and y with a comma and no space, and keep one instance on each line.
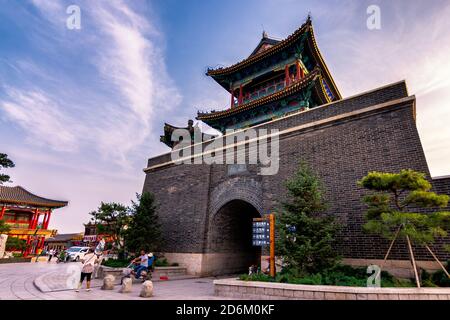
(42,118)
(131,71)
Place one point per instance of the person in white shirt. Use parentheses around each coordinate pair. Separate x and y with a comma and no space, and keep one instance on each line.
(143,264)
(89,261)
(51,253)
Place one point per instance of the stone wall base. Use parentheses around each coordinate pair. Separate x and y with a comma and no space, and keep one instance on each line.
(208,264)
(236,289)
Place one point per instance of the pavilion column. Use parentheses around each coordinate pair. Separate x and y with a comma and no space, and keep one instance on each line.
(48,218)
(241,97)
(27,248)
(35,219)
(42,243)
(232,98)
(286,75)
(44,221)
(299,74)
(30,225)
(2,213)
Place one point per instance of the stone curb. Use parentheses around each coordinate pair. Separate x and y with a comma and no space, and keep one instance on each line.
(40,284)
(266,290)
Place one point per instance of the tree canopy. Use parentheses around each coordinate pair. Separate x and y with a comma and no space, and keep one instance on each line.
(144,231)
(394,206)
(112,219)
(5,162)
(306,234)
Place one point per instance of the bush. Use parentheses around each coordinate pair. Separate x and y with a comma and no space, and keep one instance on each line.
(340,275)
(15,244)
(438,278)
(116,263)
(161,263)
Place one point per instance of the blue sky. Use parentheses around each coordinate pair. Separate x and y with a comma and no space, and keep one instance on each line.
(82,110)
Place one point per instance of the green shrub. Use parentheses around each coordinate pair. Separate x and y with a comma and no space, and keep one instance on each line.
(438,278)
(340,275)
(116,263)
(161,263)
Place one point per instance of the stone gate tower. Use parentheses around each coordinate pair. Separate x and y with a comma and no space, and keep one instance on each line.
(206,209)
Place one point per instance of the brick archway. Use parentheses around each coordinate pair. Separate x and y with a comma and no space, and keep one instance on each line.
(234,204)
(239,188)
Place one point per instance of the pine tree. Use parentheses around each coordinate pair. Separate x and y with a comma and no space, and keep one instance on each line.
(5,162)
(4,228)
(112,219)
(393,209)
(305,234)
(144,231)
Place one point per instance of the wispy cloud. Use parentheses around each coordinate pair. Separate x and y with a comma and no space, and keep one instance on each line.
(130,83)
(42,118)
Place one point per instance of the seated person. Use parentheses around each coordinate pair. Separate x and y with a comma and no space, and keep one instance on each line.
(143,264)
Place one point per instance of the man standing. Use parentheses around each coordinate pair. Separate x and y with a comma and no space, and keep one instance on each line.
(51,252)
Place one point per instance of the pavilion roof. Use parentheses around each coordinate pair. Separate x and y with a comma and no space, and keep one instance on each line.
(311,77)
(275,47)
(19,196)
(264,44)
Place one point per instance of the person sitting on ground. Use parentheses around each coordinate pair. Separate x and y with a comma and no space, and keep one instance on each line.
(143,264)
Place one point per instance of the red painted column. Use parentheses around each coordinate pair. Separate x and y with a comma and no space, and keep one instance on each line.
(30,225)
(27,249)
(36,219)
(286,75)
(42,243)
(48,218)
(299,70)
(2,213)
(44,222)
(241,97)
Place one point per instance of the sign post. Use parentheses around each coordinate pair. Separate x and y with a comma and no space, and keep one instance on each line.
(272,245)
(263,235)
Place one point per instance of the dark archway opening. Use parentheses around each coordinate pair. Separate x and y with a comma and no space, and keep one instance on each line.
(231,238)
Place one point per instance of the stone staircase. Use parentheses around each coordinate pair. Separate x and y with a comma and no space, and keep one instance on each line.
(160,273)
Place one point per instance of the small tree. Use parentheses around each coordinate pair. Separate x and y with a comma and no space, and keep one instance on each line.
(112,219)
(4,228)
(306,235)
(5,163)
(392,209)
(15,244)
(144,231)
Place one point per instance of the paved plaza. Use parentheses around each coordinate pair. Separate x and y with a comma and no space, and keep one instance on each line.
(47,281)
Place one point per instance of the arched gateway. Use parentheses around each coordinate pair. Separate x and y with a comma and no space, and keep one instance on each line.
(230,238)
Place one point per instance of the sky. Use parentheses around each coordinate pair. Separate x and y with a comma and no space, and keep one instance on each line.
(81,110)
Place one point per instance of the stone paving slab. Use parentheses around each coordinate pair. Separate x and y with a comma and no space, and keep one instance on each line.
(17,282)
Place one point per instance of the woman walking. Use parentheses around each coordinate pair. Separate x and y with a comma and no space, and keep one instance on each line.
(87,269)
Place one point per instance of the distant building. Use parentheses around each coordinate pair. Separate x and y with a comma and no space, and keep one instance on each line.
(28,215)
(91,236)
(64,241)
